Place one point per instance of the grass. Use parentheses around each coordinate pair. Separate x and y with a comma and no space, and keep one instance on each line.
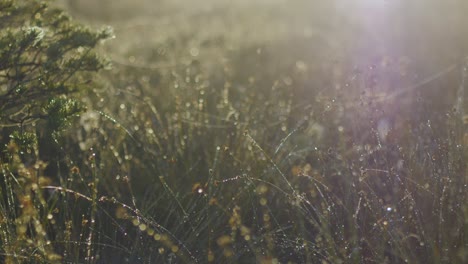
(257,146)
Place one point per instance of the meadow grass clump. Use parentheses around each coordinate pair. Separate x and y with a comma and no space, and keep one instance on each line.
(259,146)
(236,178)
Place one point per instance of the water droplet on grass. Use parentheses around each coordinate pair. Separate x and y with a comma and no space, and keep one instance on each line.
(194,52)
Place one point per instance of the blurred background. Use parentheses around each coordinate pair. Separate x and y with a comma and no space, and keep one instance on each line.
(366,28)
(408,41)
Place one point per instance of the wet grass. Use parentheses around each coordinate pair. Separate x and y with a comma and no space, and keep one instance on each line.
(257,146)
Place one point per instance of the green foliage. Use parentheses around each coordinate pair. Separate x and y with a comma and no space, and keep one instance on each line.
(44,55)
(59,111)
(45,60)
(26,141)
